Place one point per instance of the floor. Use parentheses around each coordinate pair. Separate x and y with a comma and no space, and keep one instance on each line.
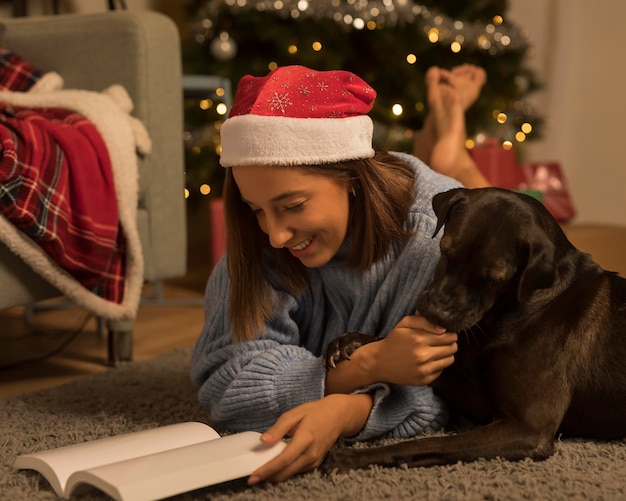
(606,244)
(80,345)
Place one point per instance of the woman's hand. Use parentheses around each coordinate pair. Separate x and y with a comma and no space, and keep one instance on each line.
(414,353)
(313,427)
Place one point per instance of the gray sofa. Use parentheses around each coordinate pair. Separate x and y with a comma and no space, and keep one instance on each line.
(141,51)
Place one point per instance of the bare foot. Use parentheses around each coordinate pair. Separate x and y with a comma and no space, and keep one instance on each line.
(449,155)
(467,81)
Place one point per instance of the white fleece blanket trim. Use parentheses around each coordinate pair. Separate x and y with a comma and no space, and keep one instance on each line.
(117,130)
(48,82)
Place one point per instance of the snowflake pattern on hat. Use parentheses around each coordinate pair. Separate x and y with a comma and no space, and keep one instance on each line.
(279,102)
(299,92)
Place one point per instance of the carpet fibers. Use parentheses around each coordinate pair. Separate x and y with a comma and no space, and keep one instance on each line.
(157,392)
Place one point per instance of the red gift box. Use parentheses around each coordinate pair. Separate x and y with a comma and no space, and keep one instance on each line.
(547,178)
(497,164)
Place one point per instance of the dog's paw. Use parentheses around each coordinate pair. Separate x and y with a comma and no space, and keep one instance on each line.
(343,347)
(334,463)
(343,460)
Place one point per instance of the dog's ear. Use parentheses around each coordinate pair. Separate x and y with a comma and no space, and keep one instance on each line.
(443,202)
(540,270)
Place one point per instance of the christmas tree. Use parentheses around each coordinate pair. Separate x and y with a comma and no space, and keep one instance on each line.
(389,43)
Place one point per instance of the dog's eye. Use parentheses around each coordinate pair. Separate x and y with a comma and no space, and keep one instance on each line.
(496,277)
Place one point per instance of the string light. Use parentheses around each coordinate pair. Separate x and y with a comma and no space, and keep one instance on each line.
(204,141)
(493,37)
(433,35)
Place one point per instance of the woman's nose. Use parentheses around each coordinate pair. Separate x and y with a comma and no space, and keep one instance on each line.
(278,232)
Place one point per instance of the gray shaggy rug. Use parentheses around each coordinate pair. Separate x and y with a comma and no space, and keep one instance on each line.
(158,392)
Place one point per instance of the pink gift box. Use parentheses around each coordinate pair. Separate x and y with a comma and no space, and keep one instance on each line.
(548,179)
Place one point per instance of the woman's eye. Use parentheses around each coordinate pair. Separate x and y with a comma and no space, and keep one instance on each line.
(295,207)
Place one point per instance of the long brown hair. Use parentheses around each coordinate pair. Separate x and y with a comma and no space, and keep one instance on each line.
(384,189)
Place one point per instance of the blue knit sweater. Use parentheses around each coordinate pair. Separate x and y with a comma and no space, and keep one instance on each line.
(247,386)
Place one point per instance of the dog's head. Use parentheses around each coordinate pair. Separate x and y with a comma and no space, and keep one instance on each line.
(497,250)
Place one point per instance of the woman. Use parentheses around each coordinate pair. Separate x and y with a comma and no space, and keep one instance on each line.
(324,236)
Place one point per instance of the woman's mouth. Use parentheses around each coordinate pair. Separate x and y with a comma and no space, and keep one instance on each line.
(302,245)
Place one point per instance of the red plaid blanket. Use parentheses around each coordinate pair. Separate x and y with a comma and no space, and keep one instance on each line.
(56,186)
(16,74)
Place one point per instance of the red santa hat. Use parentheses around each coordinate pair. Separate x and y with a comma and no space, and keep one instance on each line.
(298,116)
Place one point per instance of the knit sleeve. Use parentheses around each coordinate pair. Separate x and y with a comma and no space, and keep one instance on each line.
(402,412)
(247,386)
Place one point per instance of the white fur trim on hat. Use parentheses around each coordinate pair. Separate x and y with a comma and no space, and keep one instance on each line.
(270,140)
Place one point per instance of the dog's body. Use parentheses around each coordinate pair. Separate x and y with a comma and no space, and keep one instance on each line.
(544,350)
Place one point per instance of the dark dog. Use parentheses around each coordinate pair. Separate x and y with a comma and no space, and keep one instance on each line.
(545,345)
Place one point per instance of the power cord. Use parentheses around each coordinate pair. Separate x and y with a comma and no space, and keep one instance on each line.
(36,332)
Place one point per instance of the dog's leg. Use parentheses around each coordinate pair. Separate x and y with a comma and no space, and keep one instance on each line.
(461,385)
(504,439)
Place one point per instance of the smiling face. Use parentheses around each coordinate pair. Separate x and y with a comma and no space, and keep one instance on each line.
(303,212)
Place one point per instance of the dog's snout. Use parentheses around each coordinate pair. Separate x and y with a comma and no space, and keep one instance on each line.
(437,307)
(448,307)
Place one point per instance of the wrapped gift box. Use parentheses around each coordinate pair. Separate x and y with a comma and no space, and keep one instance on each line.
(548,179)
(218,230)
(543,180)
(497,164)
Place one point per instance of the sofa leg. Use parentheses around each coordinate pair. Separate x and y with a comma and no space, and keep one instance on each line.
(120,342)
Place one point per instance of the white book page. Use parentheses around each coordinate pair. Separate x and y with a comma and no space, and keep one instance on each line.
(175,471)
(58,464)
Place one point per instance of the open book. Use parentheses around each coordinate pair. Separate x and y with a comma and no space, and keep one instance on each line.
(152,464)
